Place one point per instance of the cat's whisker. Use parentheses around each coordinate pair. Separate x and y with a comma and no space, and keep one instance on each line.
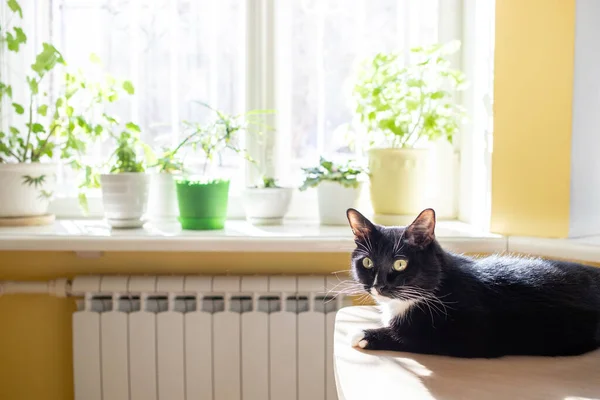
(428,299)
(332,295)
(363,298)
(346,282)
(341,271)
(430,312)
(346,289)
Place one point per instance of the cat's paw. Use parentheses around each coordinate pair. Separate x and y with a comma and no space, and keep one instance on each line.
(357,339)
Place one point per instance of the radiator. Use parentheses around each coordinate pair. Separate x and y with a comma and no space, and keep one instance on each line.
(195,337)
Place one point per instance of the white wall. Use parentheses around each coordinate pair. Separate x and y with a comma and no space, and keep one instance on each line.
(585,151)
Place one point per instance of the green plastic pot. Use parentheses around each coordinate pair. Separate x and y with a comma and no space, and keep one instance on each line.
(202,205)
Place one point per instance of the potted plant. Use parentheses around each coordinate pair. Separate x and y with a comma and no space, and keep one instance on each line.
(403,108)
(121,178)
(42,131)
(338,188)
(125,186)
(268,203)
(27,173)
(203,199)
(82,119)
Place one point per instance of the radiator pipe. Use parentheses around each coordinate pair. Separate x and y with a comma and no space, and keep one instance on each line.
(58,287)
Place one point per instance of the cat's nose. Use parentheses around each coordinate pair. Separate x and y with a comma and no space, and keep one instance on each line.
(381,289)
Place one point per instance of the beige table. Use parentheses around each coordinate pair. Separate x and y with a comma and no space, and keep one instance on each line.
(371,375)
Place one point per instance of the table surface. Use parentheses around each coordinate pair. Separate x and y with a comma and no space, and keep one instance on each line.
(374,375)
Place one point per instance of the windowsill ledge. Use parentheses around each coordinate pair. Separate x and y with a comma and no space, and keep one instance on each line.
(295,236)
(238,236)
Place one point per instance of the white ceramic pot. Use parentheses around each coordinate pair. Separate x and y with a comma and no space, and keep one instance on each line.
(162,198)
(26,189)
(266,206)
(125,197)
(399,180)
(334,201)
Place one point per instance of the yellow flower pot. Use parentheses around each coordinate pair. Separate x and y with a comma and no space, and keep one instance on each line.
(399,179)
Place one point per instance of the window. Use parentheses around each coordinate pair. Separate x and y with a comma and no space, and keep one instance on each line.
(295,56)
(324,42)
(176,52)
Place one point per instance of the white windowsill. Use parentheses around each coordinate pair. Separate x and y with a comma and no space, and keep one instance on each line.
(295,236)
(238,236)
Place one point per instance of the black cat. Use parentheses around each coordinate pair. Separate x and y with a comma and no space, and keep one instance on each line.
(436,302)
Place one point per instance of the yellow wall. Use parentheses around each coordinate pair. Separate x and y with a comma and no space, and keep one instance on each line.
(532,117)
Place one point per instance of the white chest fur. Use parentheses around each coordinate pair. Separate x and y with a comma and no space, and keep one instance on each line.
(393,308)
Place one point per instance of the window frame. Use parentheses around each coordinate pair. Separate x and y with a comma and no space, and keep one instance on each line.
(458,19)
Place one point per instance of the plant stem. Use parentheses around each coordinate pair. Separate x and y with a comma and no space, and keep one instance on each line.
(183,142)
(15,156)
(30,125)
(422,106)
(35,155)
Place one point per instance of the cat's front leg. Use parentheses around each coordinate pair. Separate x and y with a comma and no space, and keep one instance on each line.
(378,339)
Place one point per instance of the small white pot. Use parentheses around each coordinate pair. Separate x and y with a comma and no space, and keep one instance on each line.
(125,197)
(334,201)
(266,206)
(162,198)
(26,189)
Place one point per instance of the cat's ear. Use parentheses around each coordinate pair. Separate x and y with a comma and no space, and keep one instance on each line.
(421,232)
(361,226)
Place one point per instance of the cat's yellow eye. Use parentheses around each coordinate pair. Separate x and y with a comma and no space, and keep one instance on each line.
(367,263)
(400,265)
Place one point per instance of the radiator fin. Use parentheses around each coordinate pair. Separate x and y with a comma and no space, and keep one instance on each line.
(142,355)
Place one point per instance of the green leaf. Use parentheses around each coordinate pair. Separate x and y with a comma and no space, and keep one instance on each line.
(20,35)
(412,105)
(412,82)
(128,87)
(14,130)
(98,129)
(5,89)
(439,94)
(15,7)
(18,108)
(70,111)
(47,59)
(83,203)
(133,127)
(110,119)
(59,102)
(149,154)
(42,110)
(33,85)
(37,128)
(95,59)
(14,41)
(328,165)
